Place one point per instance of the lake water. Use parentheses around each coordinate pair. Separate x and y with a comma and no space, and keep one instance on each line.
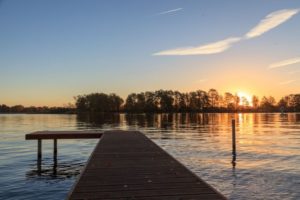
(268,151)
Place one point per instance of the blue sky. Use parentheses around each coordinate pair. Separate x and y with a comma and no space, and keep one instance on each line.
(53,50)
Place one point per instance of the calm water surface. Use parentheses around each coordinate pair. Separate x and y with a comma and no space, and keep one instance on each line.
(268,151)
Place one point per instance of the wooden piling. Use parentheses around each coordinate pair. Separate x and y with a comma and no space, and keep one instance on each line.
(55,149)
(233,141)
(39,149)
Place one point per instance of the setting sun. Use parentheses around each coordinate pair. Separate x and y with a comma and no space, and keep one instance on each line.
(245,99)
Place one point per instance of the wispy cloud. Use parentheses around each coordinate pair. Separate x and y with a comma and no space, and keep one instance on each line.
(169,11)
(286,82)
(271,21)
(285,63)
(212,48)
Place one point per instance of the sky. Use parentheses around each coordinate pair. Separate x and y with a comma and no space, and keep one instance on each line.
(53,50)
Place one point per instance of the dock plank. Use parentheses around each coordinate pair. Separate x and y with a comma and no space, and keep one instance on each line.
(128,165)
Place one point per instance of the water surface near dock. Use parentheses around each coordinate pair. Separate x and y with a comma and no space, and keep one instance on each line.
(268,157)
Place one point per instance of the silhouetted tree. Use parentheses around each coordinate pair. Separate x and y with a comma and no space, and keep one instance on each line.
(17,109)
(151,102)
(268,103)
(193,100)
(213,98)
(115,102)
(81,103)
(165,100)
(178,101)
(236,101)
(203,100)
(4,108)
(98,102)
(229,101)
(131,102)
(294,102)
(283,103)
(255,102)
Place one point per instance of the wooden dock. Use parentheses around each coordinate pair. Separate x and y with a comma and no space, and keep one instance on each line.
(128,165)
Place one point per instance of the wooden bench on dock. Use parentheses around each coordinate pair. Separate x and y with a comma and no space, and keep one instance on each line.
(55,135)
(128,165)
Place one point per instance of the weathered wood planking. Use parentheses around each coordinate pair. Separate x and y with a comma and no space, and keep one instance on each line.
(128,165)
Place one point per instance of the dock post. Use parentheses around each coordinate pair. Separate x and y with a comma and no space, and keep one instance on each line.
(39,156)
(233,142)
(39,149)
(54,157)
(55,149)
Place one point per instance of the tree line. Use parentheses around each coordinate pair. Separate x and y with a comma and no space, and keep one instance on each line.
(175,101)
(39,110)
(168,101)
(211,101)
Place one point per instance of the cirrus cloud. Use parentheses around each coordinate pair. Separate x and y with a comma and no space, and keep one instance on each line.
(211,48)
(285,63)
(271,21)
(169,11)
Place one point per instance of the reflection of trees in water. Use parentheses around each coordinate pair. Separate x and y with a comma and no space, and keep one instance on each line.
(291,118)
(267,118)
(176,121)
(166,120)
(136,120)
(97,120)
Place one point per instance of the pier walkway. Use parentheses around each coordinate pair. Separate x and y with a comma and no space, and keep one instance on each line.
(128,165)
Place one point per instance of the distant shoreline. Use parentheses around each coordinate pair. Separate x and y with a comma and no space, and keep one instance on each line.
(167,101)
